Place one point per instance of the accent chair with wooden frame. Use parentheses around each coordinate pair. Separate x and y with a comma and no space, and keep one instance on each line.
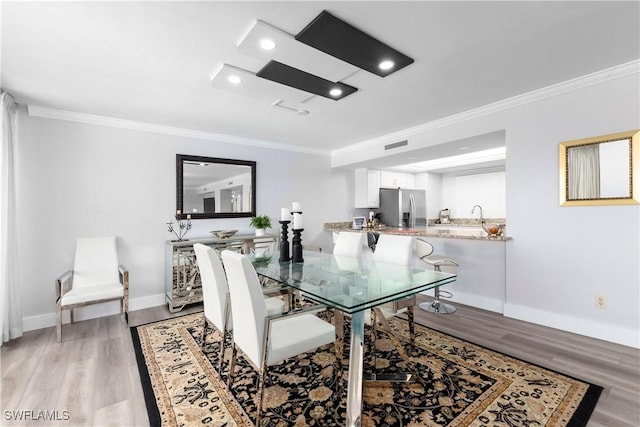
(96,278)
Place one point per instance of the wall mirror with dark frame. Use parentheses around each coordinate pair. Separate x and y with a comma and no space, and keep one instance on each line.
(211,187)
(601,170)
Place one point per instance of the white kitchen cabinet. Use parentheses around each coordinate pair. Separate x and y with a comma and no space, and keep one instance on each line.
(397,179)
(367,183)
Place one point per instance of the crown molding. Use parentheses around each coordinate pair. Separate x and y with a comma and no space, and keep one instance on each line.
(612,73)
(52,113)
(597,77)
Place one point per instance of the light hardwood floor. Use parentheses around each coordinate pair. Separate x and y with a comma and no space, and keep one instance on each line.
(93,373)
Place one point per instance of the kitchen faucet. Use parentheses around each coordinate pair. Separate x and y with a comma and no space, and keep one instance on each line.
(474,209)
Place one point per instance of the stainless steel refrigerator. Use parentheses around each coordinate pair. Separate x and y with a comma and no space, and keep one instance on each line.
(403,208)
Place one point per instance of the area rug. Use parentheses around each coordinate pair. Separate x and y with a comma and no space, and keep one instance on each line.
(460,384)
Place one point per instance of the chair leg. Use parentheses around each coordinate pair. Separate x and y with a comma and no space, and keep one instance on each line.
(412,327)
(222,346)
(227,317)
(232,366)
(203,335)
(260,394)
(58,322)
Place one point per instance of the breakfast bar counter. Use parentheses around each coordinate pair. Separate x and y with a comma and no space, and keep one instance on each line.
(448,231)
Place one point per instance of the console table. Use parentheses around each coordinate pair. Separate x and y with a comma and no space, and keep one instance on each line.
(182,279)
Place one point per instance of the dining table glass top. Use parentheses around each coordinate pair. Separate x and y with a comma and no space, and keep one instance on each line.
(350,284)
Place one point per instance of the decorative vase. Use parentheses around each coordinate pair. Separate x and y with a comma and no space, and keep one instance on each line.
(260,231)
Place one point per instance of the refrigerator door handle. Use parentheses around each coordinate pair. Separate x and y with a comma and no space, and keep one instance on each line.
(412,211)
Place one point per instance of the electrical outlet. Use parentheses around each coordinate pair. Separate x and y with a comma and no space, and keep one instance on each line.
(601,301)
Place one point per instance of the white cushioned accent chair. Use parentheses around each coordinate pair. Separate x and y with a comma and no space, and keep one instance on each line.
(215,295)
(96,277)
(395,249)
(267,340)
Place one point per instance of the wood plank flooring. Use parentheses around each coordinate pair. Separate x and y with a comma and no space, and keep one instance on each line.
(93,374)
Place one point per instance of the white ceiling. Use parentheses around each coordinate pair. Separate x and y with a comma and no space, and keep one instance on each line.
(153,61)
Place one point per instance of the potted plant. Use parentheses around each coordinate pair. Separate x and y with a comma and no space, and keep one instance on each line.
(261,223)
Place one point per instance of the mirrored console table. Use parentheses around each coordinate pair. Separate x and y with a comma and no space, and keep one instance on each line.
(182,279)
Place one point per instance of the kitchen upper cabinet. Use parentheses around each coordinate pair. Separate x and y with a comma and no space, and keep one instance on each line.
(367,188)
(397,179)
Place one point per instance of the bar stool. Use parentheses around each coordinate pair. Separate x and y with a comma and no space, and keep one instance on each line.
(424,250)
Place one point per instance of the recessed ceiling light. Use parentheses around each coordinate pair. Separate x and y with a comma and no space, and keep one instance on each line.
(386,65)
(267,44)
(234,79)
(335,92)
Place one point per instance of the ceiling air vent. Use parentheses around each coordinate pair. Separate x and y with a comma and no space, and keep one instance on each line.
(396,144)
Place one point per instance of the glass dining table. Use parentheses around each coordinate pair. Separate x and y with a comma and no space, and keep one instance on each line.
(351,285)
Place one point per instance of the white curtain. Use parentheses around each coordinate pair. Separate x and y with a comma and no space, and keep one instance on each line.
(584,172)
(10,298)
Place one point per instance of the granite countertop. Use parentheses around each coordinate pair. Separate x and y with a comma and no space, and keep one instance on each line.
(470,231)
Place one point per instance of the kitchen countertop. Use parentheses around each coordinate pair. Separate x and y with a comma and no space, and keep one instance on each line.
(451,231)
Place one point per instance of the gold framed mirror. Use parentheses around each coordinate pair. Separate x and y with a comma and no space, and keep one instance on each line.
(601,170)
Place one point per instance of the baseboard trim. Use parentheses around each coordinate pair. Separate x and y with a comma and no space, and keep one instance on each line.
(47,320)
(580,326)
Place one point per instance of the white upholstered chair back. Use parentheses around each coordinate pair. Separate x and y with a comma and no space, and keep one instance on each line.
(248,306)
(349,243)
(394,249)
(96,262)
(214,285)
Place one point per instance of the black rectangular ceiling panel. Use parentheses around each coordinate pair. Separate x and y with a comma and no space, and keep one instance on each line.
(337,38)
(290,76)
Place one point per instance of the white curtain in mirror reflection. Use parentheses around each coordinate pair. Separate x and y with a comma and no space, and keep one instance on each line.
(584,172)
(600,170)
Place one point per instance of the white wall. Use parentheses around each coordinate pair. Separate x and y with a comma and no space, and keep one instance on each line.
(460,192)
(78,180)
(560,257)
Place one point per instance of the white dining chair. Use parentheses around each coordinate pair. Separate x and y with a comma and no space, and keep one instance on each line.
(215,295)
(396,249)
(96,278)
(349,243)
(267,340)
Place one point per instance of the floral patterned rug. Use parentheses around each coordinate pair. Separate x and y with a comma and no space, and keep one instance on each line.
(459,384)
